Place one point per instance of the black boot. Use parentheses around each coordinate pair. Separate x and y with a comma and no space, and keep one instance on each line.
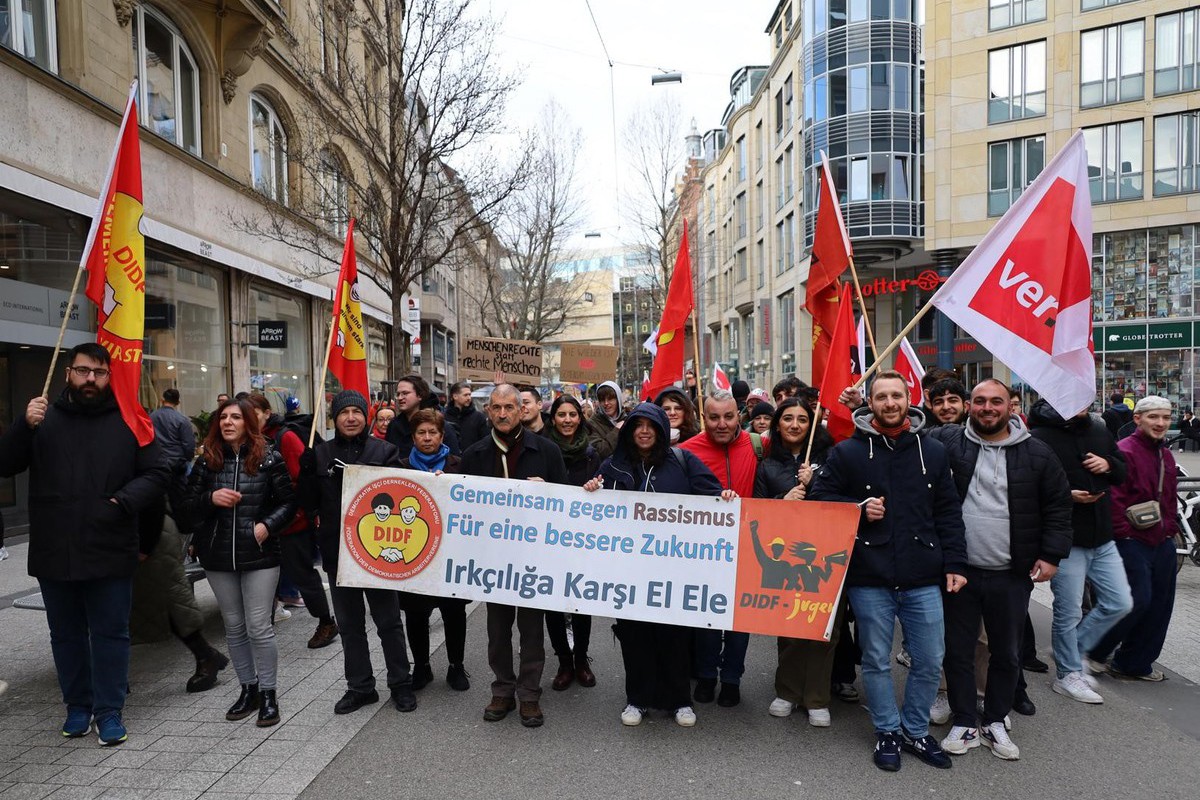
(246,704)
(706,690)
(268,709)
(403,697)
(458,678)
(207,668)
(422,676)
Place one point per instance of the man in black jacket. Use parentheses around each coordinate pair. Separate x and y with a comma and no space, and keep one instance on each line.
(320,490)
(468,422)
(1094,464)
(512,452)
(909,545)
(412,395)
(1016,509)
(88,480)
(1117,415)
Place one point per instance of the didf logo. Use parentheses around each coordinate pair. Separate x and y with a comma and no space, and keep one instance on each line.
(392,528)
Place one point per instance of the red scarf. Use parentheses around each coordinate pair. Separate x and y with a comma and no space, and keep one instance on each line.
(892,433)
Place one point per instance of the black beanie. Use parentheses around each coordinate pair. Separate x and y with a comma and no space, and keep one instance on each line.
(347,398)
(740,390)
(762,408)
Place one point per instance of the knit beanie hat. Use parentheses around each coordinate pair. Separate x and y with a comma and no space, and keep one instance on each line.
(762,409)
(347,398)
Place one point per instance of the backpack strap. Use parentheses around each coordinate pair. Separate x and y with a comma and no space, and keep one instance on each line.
(679,459)
(756,440)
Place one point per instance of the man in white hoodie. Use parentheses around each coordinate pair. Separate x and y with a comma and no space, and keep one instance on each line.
(1016,505)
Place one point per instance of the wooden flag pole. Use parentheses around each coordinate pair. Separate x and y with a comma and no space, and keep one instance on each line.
(862,305)
(62,330)
(891,348)
(812,432)
(696,370)
(333,326)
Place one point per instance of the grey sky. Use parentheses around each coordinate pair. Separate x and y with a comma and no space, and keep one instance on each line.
(555,44)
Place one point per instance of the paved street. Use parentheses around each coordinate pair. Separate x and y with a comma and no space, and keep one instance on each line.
(1146,738)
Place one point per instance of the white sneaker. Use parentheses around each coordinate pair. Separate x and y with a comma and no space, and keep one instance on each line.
(632,715)
(819,717)
(1076,687)
(995,737)
(282,613)
(3,552)
(939,712)
(1008,722)
(903,658)
(1093,667)
(1090,680)
(781,708)
(685,717)
(960,740)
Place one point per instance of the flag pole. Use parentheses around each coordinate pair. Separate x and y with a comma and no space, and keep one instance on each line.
(87,248)
(333,326)
(812,432)
(862,305)
(696,369)
(891,348)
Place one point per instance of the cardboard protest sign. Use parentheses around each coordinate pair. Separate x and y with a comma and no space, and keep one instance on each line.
(587,363)
(519,361)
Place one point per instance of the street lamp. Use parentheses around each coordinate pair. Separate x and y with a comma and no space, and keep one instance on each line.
(666,77)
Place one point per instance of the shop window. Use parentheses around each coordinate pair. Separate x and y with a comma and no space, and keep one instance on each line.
(1177,52)
(1124,274)
(268,150)
(169,82)
(28,27)
(280,373)
(1170,265)
(1112,64)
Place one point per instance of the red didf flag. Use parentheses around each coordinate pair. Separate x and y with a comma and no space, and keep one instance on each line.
(348,347)
(1025,291)
(668,361)
(114,257)
(839,371)
(831,255)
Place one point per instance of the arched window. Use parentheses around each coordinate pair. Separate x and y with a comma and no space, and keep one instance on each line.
(268,150)
(335,193)
(169,83)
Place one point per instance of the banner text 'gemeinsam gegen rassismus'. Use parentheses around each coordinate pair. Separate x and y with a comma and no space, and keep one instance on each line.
(762,566)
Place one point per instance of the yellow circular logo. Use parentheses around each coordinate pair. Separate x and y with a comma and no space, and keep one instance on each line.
(392,528)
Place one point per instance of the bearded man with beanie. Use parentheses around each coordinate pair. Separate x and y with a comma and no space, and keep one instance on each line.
(320,491)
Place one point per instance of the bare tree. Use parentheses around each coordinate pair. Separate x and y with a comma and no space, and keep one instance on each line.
(654,149)
(397,92)
(525,295)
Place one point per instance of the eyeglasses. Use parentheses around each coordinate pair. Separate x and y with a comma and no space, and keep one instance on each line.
(83,372)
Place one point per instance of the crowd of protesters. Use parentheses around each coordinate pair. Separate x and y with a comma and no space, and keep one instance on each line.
(966,503)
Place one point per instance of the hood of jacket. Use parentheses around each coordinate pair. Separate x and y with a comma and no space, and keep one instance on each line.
(620,406)
(66,403)
(626,449)
(1017,433)
(863,416)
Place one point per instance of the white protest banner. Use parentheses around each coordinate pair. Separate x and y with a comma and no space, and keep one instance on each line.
(762,566)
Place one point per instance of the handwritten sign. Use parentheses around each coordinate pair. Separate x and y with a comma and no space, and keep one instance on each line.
(588,363)
(519,361)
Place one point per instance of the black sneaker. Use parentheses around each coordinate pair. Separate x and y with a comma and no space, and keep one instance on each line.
(403,698)
(422,676)
(706,690)
(731,695)
(925,748)
(1035,664)
(458,678)
(352,701)
(887,751)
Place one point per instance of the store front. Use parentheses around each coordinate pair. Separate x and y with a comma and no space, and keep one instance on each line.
(280,363)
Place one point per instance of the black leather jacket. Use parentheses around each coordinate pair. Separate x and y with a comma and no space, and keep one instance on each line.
(224,537)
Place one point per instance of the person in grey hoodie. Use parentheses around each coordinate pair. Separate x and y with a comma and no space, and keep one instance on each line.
(1016,506)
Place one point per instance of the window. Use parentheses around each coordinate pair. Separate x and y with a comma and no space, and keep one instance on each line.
(1017,82)
(741,265)
(858,89)
(1177,52)
(1012,166)
(741,158)
(760,262)
(859,179)
(335,194)
(1115,161)
(789,241)
(759,146)
(1111,64)
(1176,149)
(787,103)
(268,151)
(787,322)
(333,44)
(1008,13)
(778,115)
(169,83)
(28,26)
(780,258)
(779,183)
(759,203)
(789,172)
(741,215)
(1091,5)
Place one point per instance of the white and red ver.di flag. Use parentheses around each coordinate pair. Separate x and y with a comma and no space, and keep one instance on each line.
(909,365)
(1025,291)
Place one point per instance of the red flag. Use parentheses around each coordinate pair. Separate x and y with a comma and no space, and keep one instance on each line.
(720,380)
(908,365)
(839,371)
(115,257)
(668,361)
(830,257)
(1025,291)
(646,385)
(348,348)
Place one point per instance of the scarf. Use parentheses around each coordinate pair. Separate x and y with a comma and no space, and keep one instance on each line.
(573,449)
(429,463)
(508,446)
(891,433)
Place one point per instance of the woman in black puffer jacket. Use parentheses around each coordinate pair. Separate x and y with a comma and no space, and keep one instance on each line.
(240,498)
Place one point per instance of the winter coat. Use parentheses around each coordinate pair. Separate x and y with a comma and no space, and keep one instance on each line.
(469,424)
(287,442)
(678,471)
(399,433)
(602,434)
(1116,417)
(539,458)
(1071,440)
(1142,456)
(920,538)
(224,537)
(320,484)
(81,459)
(1039,498)
(734,464)
(776,475)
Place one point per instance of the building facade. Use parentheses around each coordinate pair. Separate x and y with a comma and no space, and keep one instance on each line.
(1008,83)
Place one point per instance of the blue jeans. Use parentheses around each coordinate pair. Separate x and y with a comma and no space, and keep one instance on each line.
(1073,634)
(919,610)
(89,636)
(712,661)
(1141,634)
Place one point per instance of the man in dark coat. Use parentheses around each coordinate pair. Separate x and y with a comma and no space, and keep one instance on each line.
(1094,465)
(88,480)
(512,452)
(1016,506)
(468,422)
(413,394)
(1117,415)
(910,544)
